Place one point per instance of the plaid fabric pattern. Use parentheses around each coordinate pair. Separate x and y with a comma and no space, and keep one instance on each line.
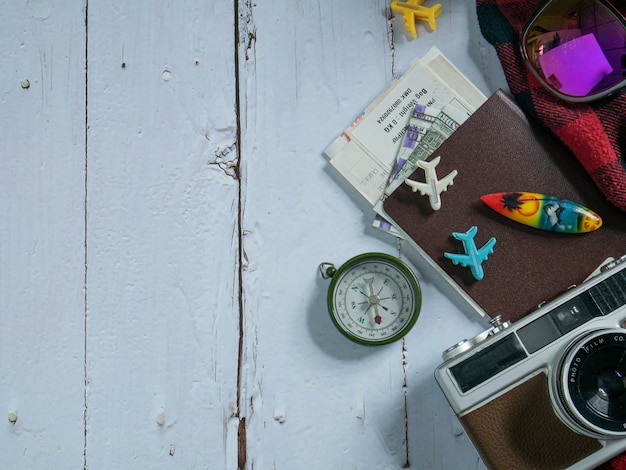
(595,133)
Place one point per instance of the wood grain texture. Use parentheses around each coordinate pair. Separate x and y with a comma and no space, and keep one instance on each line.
(162,224)
(165,208)
(42,253)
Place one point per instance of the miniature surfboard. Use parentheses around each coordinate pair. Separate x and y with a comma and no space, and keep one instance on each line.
(544,212)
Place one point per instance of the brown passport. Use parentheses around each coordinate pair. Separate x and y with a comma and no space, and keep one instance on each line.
(496,150)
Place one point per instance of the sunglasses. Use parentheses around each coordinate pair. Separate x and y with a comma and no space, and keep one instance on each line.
(577,48)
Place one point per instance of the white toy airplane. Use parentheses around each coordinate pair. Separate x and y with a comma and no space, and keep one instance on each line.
(432,186)
(473,257)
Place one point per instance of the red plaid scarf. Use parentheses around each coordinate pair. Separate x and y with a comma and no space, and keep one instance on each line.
(595,133)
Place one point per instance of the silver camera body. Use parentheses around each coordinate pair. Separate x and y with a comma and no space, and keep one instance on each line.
(549,391)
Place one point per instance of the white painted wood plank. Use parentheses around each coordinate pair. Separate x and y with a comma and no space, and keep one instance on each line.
(163,239)
(42,268)
(314,399)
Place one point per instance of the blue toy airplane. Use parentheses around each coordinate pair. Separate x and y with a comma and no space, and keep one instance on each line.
(473,257)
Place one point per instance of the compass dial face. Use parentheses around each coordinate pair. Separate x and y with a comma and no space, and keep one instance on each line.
(374,299)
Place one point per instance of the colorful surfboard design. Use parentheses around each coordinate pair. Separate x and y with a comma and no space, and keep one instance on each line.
(544,212)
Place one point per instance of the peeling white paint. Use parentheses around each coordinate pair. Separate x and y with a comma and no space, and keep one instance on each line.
(160,418)
(280,415)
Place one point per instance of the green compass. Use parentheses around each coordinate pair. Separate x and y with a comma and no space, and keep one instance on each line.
(373,298)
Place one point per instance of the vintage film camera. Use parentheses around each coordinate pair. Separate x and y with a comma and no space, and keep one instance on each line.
(549,391)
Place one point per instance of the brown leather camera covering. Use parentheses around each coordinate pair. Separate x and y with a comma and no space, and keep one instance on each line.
(519,430)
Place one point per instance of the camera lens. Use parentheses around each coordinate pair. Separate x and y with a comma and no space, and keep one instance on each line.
(591,384)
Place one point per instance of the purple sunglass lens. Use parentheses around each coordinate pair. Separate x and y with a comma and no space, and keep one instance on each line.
(578,47)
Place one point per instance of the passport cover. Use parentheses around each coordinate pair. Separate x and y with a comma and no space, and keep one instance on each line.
(498,149)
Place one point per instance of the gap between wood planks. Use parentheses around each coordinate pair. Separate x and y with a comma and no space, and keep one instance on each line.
(85,377)
(241,427)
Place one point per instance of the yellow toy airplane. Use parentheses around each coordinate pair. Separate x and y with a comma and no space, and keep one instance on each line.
(412,10)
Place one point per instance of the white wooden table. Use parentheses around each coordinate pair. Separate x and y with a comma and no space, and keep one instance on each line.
(164,208)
